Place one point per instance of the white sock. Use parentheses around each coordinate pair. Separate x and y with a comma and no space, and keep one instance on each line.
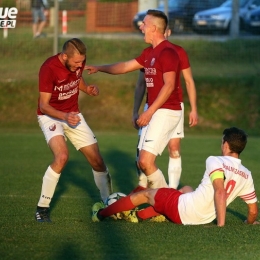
(157,180)
(104,183)
(49,183)
(142,180)
(174,172)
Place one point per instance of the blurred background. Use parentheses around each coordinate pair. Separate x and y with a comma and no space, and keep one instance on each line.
(222,39)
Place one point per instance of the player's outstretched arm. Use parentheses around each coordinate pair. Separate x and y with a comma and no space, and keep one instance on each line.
(116,68)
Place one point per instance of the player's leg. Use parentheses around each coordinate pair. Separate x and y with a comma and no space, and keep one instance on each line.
(174,165)
(42,23)
(125,204)
(157,136)
(174,148)
(35,21)
(142,178)
(100,171)
(53,132)
(85,141)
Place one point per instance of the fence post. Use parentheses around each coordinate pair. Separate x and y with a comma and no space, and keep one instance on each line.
(64,22)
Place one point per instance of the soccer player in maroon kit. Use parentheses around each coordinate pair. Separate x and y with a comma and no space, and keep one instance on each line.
(174,165)
(162,72)
(60,79)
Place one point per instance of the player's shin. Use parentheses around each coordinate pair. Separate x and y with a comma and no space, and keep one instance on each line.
(49,183)
(104,183)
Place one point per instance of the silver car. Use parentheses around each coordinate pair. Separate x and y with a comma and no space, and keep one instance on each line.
(218,19)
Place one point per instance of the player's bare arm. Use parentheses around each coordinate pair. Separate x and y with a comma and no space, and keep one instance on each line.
(91,90)
(220,196)
(164,94)
(116,68)
(138,97)
(72,118)
(191,90)
(252,213)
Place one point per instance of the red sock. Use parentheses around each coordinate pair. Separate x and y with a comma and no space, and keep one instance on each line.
(146,213)
(123,204)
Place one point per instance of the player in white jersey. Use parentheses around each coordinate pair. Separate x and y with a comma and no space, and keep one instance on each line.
(224,180)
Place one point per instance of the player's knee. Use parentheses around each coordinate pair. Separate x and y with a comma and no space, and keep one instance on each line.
(175,153)
(143,164)
(62,158)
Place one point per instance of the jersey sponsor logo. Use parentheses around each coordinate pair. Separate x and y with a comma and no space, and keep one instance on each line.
(150,71)
(68,86)
(149,82)
(67,95)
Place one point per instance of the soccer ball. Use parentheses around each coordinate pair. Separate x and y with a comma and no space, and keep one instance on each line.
(113,198)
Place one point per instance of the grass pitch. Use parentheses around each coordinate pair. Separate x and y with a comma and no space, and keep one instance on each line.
(72,234)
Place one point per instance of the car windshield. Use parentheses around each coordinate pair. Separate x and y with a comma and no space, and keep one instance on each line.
(173,4)
(229,3)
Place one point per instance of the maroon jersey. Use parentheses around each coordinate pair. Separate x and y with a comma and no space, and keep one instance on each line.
(63,84)
(184,64)
(156,61)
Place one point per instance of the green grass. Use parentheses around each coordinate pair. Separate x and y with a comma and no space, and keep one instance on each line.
(72,234)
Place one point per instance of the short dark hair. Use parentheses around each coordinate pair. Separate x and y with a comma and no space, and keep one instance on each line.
(73,46)
(236,139)
(159,14)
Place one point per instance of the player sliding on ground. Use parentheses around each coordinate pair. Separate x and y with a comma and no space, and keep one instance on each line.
(225,179)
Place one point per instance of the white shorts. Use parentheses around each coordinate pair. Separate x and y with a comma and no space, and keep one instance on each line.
(179,130)
(156,135)
(80,135)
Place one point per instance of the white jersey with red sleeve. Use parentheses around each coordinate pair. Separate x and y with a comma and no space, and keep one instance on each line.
(198,207)
(63,85)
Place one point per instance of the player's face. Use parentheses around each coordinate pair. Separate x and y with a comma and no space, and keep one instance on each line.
(75,62)
(147,27)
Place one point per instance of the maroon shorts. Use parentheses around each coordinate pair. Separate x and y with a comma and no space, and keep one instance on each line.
(166,203)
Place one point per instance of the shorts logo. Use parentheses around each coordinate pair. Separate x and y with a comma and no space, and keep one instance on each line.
(148,140)
(179,133)
(52,127)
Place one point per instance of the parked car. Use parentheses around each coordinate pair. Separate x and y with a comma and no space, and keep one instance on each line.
(180,12)
(219,19)
(252,21)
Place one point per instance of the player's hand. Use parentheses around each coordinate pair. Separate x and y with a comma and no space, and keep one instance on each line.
(193,118)
(144,118)
(72,118)
(91,69)
(92,90)
(134,119)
